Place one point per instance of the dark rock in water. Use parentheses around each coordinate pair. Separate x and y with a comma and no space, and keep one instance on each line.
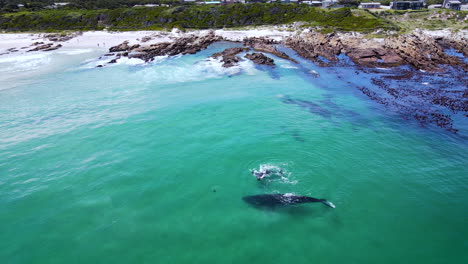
(265,45)
(260,58)
(230,52)
(37,43)
(53,48)
(113,61)
(99,66)
(121,47)
(229,57)
(46,47)
(185,45)
(429,99)
(312,107)
(42,47)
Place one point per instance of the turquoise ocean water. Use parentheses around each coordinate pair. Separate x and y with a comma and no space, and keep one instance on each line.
(137,163)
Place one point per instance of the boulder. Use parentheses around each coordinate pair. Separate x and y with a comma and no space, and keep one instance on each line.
(260,58)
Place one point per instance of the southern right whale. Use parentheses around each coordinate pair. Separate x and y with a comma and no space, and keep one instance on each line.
(275,200)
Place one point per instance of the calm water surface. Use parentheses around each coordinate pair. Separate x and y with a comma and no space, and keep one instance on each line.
(141,163)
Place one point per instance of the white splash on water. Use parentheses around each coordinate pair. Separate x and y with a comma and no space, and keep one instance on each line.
(277,173)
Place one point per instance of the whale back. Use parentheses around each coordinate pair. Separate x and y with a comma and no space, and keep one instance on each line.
(274,200)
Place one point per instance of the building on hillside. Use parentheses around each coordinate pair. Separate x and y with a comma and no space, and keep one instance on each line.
(329,3)
(313,3)
(452,4)
(405,5)
(57,5)
(226,2)
(370,5)
(61,4)
(316,3)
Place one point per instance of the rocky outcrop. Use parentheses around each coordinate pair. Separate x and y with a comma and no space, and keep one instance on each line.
(266,45)
(228,56)
(316,47)
(190,44)
(417,49)
(260,58)
(459,43)
(62,37)
(124,47)
(421,51)
(46,47)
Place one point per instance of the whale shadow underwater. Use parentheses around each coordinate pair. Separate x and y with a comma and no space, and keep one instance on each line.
(272,201)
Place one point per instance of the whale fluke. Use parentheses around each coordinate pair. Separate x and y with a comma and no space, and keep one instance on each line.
(275,200)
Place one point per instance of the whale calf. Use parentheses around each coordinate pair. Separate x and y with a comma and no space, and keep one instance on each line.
(262,173)
(276,200)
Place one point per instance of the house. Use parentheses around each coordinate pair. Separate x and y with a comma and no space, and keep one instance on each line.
(56,5)
(226,2)
(329,3)
(316,3)
(370,5)
(404,5)
(60,4)
(452,4)
(313,3)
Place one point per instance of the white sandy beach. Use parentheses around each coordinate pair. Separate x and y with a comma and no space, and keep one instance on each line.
(104,39)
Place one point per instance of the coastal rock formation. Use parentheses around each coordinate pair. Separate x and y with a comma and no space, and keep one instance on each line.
(228,56)
(46,47)
(316,47)
(124,47)
(62,37)
(189,44)
(455,41)
(417,49)
(260,58)
(421,51)
(266,45)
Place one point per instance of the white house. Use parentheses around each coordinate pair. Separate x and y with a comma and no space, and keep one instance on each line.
(370,5)
(327,3)
(452,4)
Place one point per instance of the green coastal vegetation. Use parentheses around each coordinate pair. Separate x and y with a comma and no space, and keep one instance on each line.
(197,17)
(123,15)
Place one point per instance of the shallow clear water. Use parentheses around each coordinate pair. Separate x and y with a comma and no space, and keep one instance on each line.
(149,163)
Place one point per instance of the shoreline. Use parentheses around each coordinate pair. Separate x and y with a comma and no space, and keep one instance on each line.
(431,55)
(107,39)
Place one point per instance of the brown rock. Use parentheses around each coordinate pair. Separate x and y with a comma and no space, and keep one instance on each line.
(260,58)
